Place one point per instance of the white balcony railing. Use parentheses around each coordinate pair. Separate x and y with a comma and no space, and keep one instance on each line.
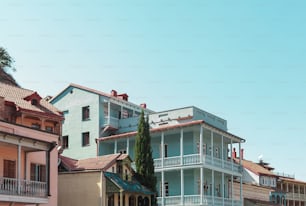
(194,159)
(111,121)
(196,200)
(9,186)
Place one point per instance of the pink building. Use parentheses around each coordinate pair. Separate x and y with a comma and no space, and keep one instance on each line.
(30,128)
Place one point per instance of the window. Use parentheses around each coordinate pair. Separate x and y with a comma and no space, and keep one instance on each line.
(166,189)
(165,150)
(38,172)
(9,168)
(35,125)
(65,142)
(85,113)
(34,102)
(85,139)
(49,129)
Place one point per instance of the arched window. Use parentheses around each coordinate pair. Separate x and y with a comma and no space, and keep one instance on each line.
(140,201)
(132,200)
(111,200)
(146,201)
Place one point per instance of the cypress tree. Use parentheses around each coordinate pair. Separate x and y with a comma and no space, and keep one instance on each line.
(143,154)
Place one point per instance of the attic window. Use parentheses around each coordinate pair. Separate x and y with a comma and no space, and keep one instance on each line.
(34,102)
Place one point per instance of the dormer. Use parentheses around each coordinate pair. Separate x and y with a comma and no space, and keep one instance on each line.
(34,98)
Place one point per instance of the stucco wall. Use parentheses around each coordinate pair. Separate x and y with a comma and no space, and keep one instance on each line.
(79,189)
(71,104)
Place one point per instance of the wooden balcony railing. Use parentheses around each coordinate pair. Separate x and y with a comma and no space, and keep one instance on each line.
(10,186)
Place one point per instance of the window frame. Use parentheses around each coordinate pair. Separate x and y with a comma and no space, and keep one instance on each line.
(65,144)
(87,136)
(86,113)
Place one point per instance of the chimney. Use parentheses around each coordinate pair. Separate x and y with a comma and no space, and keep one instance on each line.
(114,93)
(242,154)
(143,105)
(124,96)
(234,154)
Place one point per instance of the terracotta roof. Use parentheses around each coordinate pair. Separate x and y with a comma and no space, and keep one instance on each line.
(95,163)
(255,168)
(21,98)
(168,127)
(291,180)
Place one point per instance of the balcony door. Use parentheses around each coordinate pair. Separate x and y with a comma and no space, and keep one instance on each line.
(9,168)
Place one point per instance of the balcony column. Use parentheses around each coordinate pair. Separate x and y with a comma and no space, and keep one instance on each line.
(19,168)
(162,187)
(162,147)
(213,186)
(108,112)
(115,147)
(232,189)
(222,152)
(182,187)
(127,145)
(201,184)
(232,162)
(121,197)
(201,144)
(182,146)
(212,146)
(222,188)
(241,188)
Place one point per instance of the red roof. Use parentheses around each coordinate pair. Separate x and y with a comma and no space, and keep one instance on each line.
(168,127)
(96,163)
(21,98)
(255,168)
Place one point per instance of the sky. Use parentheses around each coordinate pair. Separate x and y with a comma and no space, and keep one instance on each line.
(241,60)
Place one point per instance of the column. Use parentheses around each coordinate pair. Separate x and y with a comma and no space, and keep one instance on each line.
(121,197)
(19,168)
(222,152)
(115,147)
(213,186)
(222,188)
(162,147)
(162,187)
(232,189)
(212,146)
(241,188)
(127,145)
(182,187)
(182,146)
(201,184)
(48,172)
(108,112)
(232,162)
(201,144)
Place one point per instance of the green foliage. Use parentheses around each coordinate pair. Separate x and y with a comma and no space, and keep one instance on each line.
(143,154)
(6,62)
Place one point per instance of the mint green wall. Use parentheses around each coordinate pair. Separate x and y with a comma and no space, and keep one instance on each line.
(72,103)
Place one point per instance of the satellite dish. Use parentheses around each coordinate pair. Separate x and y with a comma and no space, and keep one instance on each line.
(260,157)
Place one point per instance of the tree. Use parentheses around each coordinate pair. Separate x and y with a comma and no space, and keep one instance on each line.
(6,63)
(143,154)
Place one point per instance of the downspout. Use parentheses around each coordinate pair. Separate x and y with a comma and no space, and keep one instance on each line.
(53,145)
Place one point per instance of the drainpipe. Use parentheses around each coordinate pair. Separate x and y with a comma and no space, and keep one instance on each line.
(48,166)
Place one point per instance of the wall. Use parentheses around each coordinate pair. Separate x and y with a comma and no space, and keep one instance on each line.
(71,104)
(252,192)
(79,189)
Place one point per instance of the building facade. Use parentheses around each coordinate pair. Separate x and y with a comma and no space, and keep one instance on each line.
(106,180)
(192,161)
(90,114)
(191,147)
(29,132)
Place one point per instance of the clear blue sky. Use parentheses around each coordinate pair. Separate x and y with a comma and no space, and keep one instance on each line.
(242,60)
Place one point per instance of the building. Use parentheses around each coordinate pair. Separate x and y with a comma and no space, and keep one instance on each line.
(190,147)
(106,180)
(191,158)
(263,186)
(90,114)
(29,132)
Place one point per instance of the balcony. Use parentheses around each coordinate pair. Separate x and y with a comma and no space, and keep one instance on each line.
(196,200)
(112,122)
(295,196)
(194,159)
(23,191)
